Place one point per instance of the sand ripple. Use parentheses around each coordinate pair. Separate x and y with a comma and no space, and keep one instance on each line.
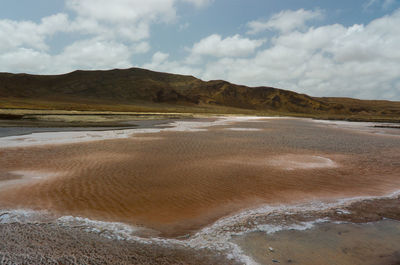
(177,182)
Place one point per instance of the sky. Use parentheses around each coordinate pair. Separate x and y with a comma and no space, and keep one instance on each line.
(322,48)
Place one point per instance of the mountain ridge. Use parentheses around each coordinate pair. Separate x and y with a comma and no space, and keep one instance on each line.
(128,89)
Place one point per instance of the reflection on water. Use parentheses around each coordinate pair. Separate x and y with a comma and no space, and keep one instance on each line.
(178,182)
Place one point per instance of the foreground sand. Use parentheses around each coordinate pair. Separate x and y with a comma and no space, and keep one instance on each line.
(43,244)
(177,182)
(301,237)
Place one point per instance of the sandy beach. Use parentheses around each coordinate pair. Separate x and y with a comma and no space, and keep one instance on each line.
(189,181)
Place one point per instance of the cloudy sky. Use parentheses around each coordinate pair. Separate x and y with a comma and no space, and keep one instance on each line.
(322,48)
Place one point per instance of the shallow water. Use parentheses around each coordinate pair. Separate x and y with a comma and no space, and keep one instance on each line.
(327,244)
(21,130)
(178,181)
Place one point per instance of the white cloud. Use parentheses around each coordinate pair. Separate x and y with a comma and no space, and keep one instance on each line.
(388,3)
(199,3)
(184,26)
(331,60)
(110,32)
(14,34)
(90,54)
(159,57)
(161,63)
(141,47)
(285,21)
(127,19)
(369,3)
(23,60)
(93,54)
(334,60)
(124,11)
(235,46)
(53,24)
(385,4)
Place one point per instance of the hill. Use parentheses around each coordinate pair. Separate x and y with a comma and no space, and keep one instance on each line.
(138,89)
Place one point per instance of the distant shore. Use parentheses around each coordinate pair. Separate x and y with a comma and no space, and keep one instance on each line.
(109,119)
(84,119)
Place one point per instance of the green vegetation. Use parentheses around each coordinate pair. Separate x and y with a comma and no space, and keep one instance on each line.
(143,91)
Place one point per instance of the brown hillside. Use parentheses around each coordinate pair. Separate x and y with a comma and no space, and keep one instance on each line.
(127,89)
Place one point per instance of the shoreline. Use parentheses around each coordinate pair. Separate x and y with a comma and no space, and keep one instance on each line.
(22,130)
(19,114)
(83,134)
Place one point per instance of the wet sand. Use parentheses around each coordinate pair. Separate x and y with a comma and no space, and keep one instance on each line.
(177,182)
(344,244)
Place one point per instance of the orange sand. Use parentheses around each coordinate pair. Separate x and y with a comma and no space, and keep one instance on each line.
(178,182)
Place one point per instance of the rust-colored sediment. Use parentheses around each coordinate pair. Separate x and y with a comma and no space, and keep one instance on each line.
(177,182)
